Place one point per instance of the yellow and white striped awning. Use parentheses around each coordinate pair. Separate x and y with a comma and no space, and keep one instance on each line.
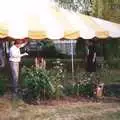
(36,20)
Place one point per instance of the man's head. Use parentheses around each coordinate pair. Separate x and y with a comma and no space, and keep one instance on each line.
(18,43)
(91,42)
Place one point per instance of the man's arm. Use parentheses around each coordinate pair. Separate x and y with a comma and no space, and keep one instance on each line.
(94,57)
(24,54)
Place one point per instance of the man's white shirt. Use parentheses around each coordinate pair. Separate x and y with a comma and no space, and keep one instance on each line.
(14,54)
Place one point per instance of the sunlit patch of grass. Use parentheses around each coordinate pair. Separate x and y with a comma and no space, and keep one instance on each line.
(112,116)
(104,116)
(72,111)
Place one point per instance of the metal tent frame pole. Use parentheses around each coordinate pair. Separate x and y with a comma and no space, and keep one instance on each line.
(72,57)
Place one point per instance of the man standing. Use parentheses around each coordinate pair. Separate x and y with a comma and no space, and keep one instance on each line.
(14,59)
(91,57)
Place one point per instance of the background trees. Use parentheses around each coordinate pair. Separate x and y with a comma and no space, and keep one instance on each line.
(105,9)
(83,6)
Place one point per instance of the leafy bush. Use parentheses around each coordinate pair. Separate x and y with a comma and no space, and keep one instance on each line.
(44,84)
(85,84)
(57,79)
(36,84)
(41,83)
(69,89)
(83,90)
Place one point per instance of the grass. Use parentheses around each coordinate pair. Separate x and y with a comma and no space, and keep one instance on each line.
(59,110)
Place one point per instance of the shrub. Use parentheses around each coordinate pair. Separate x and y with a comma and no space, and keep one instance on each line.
(57,79)
(85,85)
(69,89)
(41,83)
(36,84)
(83,90)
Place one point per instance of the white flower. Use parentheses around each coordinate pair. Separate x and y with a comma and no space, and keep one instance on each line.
(89,79)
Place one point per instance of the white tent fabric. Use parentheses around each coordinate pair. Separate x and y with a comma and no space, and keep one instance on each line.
(38,19)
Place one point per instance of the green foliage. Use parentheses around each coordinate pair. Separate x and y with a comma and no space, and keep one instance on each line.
(113,64)
(111,49)
(85,84)
(43,84)
(2,85)
(83,90)
(76,5)
(106,9)
(68,89)
(28,62)
(57,80)
(37,84)
(109,76)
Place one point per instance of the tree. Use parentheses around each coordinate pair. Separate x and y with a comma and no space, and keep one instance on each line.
(106,9)
(83,6)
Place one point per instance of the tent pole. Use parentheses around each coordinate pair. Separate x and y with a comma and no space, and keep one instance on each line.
(72,59)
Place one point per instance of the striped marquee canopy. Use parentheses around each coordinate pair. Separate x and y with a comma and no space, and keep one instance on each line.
(36,20)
